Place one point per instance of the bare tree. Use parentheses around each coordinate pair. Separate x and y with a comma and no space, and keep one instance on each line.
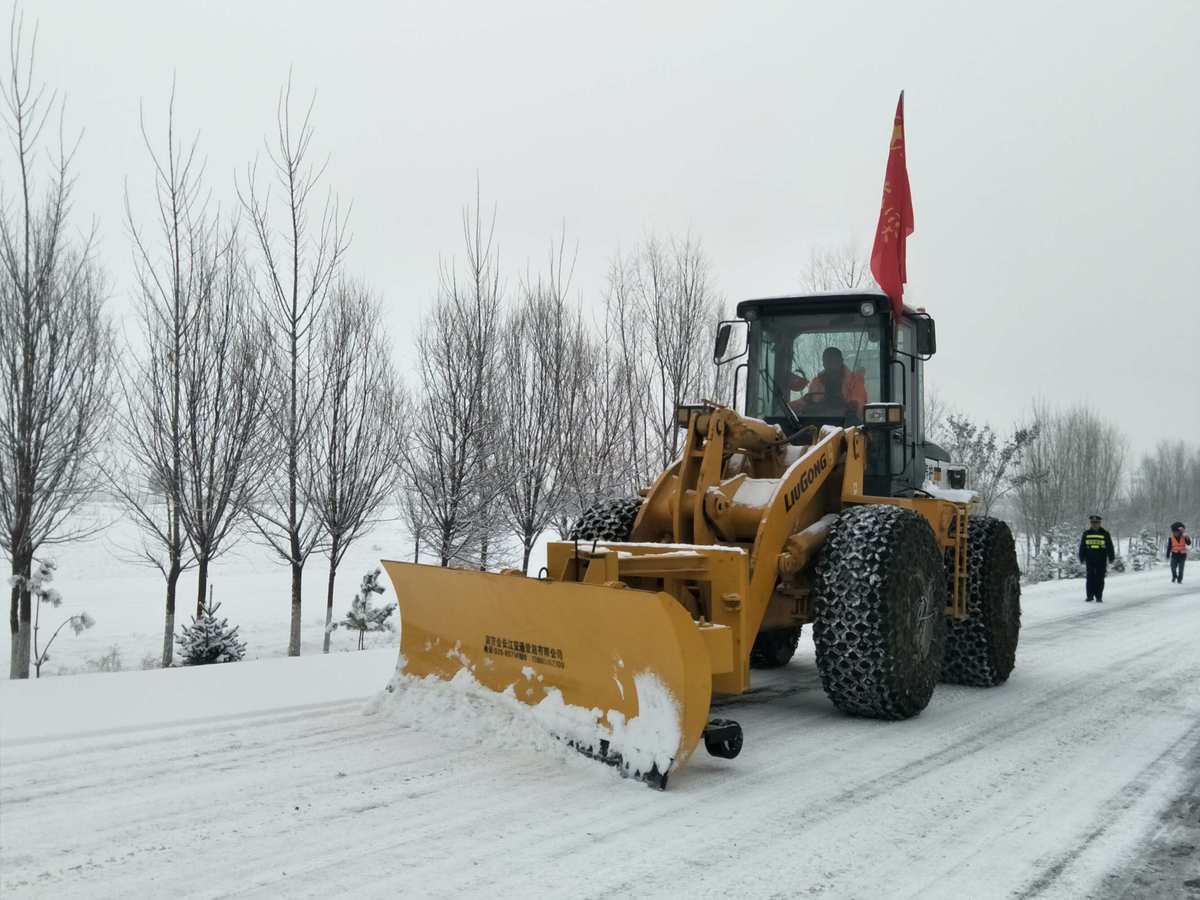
(55,349)
(357,430)
(661,314)
(409,502)
(174,269)
(841,268)
(934,410)
(540,347)
(1089,456)
(632,373)
(993,462)
(452,453)
(224,394)
(298,267)
(679,306)
(1039,493)
(1073,468)
(593,454)
(1166,487)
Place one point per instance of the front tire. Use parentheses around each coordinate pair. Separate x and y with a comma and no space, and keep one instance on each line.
(774,649)
(879,621)
(981,650)
(608,520)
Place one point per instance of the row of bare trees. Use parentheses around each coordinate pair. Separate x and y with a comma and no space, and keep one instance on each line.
(530,411)
(260,395)
(1165,487)
(255,394)
(1078,464)
(193,387)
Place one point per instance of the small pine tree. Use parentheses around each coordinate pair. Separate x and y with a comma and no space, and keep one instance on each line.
(1059,555)
(1143,550)
(361,616)
(209,639)
(1042,566)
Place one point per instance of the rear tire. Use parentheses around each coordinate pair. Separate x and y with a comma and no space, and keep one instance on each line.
(608,520)
(773,649)
(981,650)
(879,623)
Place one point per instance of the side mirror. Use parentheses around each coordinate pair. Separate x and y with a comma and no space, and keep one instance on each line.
(731,341)
(722,341)
(925,336)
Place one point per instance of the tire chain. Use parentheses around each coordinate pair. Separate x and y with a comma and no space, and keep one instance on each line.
(608,520)
(773,649)
(981,649)
(861,629)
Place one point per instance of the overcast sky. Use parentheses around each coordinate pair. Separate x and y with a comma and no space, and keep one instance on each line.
(1053,150)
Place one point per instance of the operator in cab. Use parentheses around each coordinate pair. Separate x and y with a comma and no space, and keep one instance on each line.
(835,389)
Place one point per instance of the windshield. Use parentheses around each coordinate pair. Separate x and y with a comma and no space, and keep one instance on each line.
(820,366)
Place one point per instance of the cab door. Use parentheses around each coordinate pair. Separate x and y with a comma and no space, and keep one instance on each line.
(907,387)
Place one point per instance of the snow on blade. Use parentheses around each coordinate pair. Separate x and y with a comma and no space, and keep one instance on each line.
(650,739)
(646,742)
(463,710)
(466,711)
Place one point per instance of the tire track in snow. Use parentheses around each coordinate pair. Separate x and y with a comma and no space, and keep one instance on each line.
(1111,813)
(1081,692)
(740,783)
(1167,862)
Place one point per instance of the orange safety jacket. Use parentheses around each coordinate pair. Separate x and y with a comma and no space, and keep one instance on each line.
(1180,544)
(854,390)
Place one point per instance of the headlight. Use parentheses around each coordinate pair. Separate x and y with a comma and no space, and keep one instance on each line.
(889,414)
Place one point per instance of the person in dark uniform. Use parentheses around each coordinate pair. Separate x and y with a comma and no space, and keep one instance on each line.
(1177,551)
(1096,551)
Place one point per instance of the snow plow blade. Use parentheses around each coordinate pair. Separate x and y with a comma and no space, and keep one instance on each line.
(621,675)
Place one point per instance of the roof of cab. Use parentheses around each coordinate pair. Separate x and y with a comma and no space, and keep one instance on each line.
(821,297)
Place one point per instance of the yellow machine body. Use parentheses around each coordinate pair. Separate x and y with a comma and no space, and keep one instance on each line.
(722,548)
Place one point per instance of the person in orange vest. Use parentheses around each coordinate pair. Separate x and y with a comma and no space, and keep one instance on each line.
(1096,551)
(1177,551)
(835,387)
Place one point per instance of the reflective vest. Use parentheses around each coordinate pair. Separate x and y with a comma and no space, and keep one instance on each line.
(1094,541)
(1178,544)
(854,389)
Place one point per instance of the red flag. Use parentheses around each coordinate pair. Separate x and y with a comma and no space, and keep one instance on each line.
(895,219)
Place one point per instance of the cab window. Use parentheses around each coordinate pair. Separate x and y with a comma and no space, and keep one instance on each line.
(789,356)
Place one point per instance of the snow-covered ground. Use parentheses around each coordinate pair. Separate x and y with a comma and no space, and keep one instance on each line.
(103,577)
(1077,778)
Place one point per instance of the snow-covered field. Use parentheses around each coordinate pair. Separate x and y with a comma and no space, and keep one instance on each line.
(1080,777)
(102,577)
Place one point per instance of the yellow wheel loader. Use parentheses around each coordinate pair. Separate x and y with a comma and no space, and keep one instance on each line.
(812,507)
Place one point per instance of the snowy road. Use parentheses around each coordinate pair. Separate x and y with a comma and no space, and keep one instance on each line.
(1077,778)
